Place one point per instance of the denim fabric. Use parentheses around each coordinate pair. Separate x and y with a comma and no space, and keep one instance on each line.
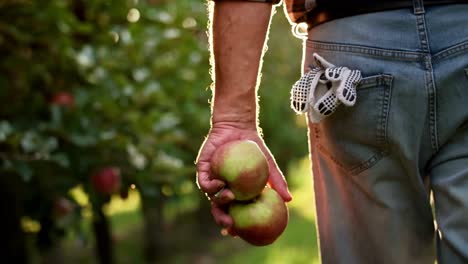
(375,164)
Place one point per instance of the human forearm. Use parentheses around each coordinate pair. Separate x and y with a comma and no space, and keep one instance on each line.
(239,31)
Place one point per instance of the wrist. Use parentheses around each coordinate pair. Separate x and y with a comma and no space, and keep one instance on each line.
(235,120)
(236,108)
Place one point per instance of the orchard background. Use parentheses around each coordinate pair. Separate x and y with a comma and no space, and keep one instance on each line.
(103,106)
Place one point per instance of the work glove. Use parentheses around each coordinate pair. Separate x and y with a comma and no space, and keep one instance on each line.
(321,90)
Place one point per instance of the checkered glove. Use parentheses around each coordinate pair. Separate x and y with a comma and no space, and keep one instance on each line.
(321,90)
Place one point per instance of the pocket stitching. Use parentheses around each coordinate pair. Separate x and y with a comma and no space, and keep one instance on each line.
(387,81)
(385,110)
(365,50)
(372,81)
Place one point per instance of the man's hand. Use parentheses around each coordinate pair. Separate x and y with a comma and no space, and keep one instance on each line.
(239,31)
(220,134)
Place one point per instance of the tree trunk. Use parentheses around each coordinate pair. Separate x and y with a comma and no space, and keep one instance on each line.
(13,242)
(206,224)
(104,246)
(153,228)
(54,254)
(49,243)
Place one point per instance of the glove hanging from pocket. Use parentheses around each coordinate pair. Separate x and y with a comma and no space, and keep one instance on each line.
(321,90)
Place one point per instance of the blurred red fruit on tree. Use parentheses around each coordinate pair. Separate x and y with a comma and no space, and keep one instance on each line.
(64,99)
(106,180)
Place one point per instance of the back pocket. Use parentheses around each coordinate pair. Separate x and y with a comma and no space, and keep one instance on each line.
(355,138)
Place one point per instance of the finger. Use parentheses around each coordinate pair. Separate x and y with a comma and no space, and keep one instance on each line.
(224,196)
(221,218)
(204,180)
(277,182)
(276,178)
(231,231)
(228,231)
(210,186)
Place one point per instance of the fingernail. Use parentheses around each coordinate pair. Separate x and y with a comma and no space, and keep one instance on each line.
(229,196)
(224,232)
(218,194)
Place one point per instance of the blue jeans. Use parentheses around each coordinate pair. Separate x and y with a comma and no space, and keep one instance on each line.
(376,164)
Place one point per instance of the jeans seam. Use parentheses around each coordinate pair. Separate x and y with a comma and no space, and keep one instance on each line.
(386,110)
(421,28)
(418,7)
(369,82)
(432,104)
(422,33)
(451,51)
(369,51)
(382,136)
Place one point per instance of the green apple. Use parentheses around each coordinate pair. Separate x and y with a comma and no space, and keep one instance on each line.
(243,166)
(261,221)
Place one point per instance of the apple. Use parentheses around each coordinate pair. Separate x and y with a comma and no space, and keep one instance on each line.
(243,166)
(63,98)
(106,180)
(261,221)
(63,207)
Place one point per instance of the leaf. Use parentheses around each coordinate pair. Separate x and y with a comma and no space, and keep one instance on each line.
(150,191)
(5,130)
(137,159)
(167,121)
(50,144)
(56,113)
(86,57)
(61,159)
(83,140)
(24,170)
(30,142)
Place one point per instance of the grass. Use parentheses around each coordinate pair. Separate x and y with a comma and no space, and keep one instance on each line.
(297,245)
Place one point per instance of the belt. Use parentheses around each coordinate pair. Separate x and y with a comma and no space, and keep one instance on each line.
(327,10)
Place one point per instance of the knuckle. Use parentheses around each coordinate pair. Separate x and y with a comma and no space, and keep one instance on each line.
(202,185)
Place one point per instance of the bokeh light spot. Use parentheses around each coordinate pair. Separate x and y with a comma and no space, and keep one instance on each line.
(189,22)
(115,36)
(133,15)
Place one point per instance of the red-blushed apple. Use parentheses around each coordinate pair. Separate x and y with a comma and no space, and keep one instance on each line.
(64,99)
(106,180)
(243,166)
(63,207)
(260,221)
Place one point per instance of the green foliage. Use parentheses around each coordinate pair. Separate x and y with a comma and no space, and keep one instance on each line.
(137,75)
(285,132)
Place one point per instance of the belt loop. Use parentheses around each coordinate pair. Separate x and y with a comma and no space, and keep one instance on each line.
(418,7)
